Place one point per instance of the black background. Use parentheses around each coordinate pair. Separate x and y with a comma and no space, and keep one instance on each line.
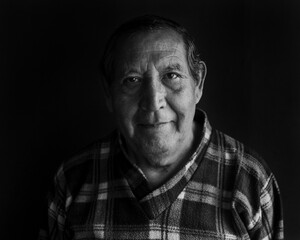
(52,101)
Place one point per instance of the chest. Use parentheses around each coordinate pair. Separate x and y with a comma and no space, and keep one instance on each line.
(193,215)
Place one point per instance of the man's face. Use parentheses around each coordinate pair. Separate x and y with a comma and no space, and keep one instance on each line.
(153,96)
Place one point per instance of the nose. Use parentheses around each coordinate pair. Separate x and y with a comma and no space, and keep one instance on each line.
(153,95)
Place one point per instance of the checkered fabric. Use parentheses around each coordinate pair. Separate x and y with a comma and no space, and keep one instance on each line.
(225,191)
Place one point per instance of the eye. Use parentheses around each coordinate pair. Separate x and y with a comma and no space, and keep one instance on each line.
(172,76)
(173,80)
(131,80)
(131,83)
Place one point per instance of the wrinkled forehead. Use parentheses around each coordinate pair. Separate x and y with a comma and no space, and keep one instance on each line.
(160,39)
(157,44)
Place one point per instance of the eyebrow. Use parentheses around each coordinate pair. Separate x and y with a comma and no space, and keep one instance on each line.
(169,68)
(172,67)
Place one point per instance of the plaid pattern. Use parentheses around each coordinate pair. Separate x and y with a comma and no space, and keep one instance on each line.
(225,191)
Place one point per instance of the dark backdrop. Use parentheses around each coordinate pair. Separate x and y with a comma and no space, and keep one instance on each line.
(52,103)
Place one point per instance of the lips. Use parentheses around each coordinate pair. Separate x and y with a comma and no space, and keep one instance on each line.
(152,125)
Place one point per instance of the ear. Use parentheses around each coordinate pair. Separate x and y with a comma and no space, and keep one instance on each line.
(107,93)
(200,83)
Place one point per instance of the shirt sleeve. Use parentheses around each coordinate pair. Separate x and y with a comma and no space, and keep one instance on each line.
(258,210)
(54,216)
(270,225)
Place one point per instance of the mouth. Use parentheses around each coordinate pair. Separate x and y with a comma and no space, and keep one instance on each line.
(153,125)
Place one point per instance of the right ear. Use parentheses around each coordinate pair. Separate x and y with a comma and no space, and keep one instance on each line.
(200,84)
(107,93)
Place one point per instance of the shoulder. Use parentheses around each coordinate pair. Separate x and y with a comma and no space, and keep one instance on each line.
(240,160)
(248,177)
(84,166)
(254,192)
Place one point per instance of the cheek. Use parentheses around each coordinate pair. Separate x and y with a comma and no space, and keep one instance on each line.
(124,109)
(183,104)
(183,101)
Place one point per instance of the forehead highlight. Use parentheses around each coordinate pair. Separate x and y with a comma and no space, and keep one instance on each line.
(165,48)
(159,39)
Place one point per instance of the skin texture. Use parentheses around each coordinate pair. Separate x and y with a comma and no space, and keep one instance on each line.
(153,98)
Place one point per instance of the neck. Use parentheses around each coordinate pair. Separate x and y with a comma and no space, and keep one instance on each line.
(158,174)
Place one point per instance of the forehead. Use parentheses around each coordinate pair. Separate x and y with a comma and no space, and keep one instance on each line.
(157,46)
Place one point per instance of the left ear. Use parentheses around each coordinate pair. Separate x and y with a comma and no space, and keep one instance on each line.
(200,83)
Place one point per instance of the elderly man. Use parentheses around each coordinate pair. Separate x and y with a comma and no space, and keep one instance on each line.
(165,173)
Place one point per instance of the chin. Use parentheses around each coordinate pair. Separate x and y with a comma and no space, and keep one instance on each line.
(156,149)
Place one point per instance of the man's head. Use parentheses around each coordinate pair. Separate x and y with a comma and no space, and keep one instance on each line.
(154,80)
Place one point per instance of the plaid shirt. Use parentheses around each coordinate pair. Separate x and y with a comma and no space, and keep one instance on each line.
(225,191)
